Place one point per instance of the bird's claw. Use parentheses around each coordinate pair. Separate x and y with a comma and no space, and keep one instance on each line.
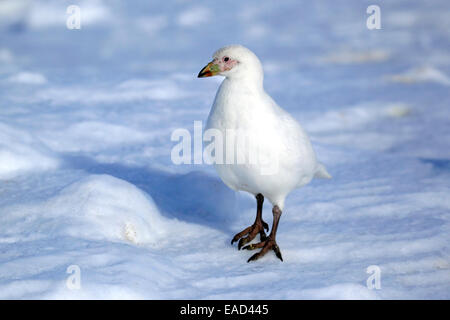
(241,234)
(242,242)
(266,246)
(277,251)
(251,232)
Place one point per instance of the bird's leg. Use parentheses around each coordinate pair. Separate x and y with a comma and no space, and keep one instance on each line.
(270,242)
(258,226)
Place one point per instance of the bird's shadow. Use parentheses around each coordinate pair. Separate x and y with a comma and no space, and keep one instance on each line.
(194,197)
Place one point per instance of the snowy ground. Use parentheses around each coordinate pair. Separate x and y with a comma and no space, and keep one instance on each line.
(86,177)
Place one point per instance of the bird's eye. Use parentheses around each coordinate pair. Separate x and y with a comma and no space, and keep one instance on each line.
(226,59)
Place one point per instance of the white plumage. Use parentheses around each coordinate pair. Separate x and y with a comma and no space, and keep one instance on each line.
(243,107)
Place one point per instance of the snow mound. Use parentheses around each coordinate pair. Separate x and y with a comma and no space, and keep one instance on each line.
(101,207)
(20,152)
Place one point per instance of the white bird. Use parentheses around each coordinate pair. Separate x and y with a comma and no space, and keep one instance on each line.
(270,153)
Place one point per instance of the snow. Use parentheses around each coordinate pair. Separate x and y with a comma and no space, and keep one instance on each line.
(349,57)
(422,74)
(86,177)
(105,208)
(194,16)
(47,14)
(28,78)
(20,152)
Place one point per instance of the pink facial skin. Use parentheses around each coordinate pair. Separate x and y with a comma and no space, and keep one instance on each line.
(225,63)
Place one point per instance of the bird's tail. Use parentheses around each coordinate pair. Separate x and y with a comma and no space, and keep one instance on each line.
(321,172)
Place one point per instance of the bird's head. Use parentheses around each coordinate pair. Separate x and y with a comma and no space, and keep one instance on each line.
(233,61)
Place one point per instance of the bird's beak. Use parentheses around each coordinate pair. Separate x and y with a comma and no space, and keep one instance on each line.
(209,70)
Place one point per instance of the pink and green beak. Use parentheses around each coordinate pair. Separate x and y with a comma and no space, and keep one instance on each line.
(211,69)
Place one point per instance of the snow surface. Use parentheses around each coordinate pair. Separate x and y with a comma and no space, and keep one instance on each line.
(86,177)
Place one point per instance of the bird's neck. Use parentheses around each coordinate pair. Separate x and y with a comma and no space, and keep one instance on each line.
(244,83)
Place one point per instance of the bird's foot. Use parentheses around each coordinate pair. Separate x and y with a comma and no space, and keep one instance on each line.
(266,245)
(251,232)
